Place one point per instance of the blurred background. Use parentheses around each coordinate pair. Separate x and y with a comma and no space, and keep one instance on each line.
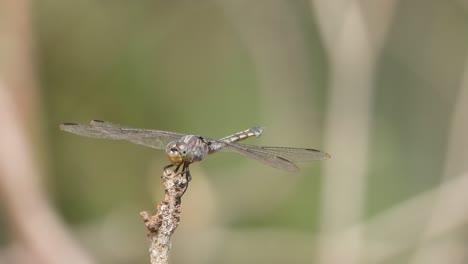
(380,85)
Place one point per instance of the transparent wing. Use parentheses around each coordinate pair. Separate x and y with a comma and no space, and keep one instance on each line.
(277,157)
(100,129)
(293,154)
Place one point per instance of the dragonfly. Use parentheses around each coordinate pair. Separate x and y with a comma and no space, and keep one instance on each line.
(184,149)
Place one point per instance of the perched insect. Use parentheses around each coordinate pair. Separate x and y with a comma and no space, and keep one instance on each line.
(182,149)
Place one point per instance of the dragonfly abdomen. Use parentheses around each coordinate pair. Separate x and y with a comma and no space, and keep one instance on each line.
(251,132)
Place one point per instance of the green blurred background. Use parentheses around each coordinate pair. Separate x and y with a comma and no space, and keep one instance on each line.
(217,67)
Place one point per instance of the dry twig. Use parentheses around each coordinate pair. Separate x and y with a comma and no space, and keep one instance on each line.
(162,225)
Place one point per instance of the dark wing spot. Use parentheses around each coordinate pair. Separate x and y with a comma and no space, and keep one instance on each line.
(97,121)
(281,158)
(327,156)
(316,150)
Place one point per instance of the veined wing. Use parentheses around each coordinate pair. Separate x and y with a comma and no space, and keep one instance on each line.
(293,154)
(277,157)
(100,129)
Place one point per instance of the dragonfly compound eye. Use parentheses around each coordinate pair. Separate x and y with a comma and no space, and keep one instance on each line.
(182,147)
(173,153)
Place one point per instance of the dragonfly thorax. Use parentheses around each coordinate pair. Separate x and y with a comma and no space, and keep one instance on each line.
(188,149)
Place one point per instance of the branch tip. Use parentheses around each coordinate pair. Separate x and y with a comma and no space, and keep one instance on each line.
(162,225)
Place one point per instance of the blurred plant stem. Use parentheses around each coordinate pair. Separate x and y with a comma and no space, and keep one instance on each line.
(288,80)
(353,44)
(35,226)
(445,214)
(275,39)
(401,221)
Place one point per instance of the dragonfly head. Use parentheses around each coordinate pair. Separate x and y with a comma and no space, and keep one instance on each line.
(177,152)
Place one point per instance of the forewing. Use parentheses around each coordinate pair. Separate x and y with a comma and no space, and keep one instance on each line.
(100,129)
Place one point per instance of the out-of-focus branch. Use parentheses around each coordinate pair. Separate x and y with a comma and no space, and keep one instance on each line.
(456,163)
(276,41)
(17,63)
(162,225)
(35,224)
(353,47)
(288,78)
(396,230)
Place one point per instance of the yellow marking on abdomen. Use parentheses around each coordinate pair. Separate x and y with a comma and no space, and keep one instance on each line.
(252,132)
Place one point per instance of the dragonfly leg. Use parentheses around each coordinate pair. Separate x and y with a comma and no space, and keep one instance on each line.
(168,166)
(177,168)
(172,165)
(187,175)
(185,172)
